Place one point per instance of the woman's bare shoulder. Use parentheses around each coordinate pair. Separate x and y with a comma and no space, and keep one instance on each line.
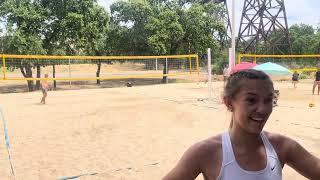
(281,144)
(203,155)
(207,149)
(210,144)
(278,139)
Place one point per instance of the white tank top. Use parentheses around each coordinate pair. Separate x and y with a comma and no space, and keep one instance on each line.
(230,169)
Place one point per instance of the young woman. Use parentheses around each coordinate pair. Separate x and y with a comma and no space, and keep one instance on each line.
(245,152)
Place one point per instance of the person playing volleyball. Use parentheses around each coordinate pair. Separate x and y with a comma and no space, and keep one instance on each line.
(44,89)
(245,151)
(295,79)
(316,82)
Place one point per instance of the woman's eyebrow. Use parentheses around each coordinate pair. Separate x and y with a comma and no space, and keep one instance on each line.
(255,94)
(251,93)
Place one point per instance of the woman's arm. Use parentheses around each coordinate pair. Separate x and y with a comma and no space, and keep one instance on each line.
(301,160)
(188,167)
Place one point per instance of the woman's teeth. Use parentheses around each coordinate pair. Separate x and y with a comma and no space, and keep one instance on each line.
(257,119)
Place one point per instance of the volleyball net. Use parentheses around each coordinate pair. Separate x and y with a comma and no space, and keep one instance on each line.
(33,67)
(301,63)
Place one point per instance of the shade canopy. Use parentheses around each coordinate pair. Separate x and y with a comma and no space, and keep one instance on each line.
(242,66)
(273,69)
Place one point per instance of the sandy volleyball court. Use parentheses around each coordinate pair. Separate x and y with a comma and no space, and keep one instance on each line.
(135,133)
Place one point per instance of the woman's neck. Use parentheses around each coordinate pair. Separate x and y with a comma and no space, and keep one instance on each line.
(240,137)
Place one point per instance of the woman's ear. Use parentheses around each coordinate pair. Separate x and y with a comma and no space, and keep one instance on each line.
(227,102)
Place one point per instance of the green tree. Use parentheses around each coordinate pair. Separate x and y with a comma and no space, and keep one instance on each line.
(166,32)
(75,28)
(129,20)
(198,25)
(164,27)
(96,25)
(305,40)
(25,19)
(166,35)
(301,38)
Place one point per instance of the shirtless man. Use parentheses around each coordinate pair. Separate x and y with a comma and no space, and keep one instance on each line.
(44,89)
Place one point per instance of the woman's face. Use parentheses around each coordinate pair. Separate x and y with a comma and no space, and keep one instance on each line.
(252,105)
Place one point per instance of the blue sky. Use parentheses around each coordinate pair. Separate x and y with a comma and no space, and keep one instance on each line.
(298,11)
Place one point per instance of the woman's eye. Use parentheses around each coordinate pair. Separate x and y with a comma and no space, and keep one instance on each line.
(251,100)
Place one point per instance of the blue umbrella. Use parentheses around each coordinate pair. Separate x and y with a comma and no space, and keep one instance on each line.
(273,69)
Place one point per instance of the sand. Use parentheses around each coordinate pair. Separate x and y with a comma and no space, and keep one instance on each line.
(132,133)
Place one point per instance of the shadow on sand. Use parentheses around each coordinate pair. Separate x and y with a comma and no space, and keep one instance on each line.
(21,86)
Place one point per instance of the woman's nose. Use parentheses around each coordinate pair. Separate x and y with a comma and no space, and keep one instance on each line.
(262,107)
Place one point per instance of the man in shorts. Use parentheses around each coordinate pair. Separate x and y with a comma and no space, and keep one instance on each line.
(316,82)
(44,89)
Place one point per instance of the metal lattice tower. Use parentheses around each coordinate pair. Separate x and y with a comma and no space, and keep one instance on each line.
(223,15)
(264,24)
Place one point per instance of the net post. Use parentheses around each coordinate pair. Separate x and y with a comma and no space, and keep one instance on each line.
(166,70)
(4,67)
(69,73)
(156,64)
(197,67)
(190,65)
(197,64)
(209,74)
